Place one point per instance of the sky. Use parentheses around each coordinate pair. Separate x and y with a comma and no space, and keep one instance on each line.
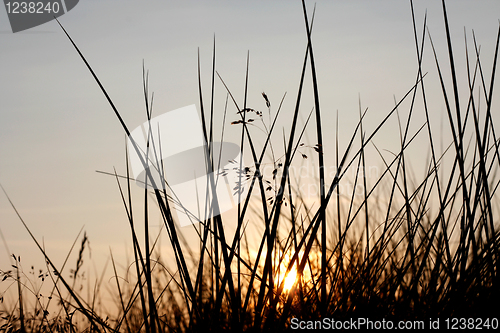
(57,129)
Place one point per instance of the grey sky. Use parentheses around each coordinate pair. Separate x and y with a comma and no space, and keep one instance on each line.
(56,128)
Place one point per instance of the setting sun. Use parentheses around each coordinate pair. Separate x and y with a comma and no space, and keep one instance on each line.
(287,281)
(290,279)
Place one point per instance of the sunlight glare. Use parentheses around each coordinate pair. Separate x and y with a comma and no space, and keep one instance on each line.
(290,279)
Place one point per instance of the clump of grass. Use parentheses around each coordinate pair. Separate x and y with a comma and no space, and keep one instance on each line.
(41,314)
(403,248)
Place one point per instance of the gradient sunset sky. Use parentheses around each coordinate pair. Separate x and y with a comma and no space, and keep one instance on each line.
(56,128)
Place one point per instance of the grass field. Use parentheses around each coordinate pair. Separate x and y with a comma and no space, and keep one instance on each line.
(395,244)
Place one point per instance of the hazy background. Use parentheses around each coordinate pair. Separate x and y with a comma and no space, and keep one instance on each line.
(56,128)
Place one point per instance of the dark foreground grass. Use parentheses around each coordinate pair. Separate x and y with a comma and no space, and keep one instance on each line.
(402,248)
